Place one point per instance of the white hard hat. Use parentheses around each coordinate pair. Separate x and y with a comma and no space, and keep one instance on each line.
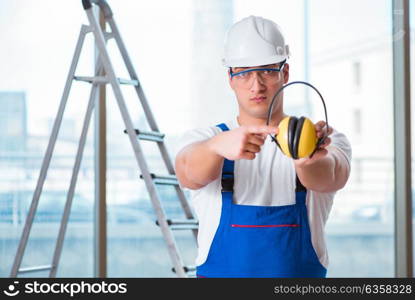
(254,41)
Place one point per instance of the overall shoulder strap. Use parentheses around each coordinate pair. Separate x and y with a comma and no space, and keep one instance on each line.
(227,169)
(299,187)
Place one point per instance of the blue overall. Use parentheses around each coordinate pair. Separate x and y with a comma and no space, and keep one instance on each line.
(261,241)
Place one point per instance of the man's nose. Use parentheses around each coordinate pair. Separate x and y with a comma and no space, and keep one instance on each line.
(257,83)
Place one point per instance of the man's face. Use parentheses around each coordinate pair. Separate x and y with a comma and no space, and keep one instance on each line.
(255,90)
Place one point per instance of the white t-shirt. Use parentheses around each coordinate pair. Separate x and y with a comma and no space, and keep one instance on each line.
(267,180)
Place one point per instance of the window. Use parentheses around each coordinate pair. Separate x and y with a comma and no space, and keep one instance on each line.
(35,56)
(360,227)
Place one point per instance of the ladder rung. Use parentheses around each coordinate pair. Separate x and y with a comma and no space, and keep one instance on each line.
(184,227)
(185,224)
(186,269)
(34,269)
(92,79)
(104,80)
(108,35)
(182,222)
(163,179)
(149,135)
(128,81)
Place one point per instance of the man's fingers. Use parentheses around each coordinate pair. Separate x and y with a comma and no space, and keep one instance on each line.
(323,132)
(326,142)
(256,139)
(248,155)
(319,154)
(252,148)
(320,124)
(263,129)
(321,129)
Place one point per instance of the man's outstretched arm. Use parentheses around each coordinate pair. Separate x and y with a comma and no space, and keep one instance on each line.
(327,171)
(200,163)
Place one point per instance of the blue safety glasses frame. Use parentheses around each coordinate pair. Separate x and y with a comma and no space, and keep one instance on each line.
(257,69)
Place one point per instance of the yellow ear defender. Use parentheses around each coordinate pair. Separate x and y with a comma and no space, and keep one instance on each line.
(297,137)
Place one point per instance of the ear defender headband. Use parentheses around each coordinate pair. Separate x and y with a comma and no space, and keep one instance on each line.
(297,137)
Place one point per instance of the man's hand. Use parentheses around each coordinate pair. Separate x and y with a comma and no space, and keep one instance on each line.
(328,170)
(241,143)
(321,151)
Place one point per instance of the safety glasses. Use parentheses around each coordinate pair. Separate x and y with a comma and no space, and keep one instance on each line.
(266,75)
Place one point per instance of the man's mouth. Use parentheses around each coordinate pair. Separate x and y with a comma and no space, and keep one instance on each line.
(258,99)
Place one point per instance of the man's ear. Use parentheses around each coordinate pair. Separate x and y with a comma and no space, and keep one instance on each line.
(286,72)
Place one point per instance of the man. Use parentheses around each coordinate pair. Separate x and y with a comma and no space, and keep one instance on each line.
(261,213)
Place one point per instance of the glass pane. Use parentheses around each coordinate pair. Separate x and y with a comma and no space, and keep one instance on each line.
(351,62)
(35,56)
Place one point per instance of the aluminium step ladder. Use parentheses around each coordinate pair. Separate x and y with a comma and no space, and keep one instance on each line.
(104,66)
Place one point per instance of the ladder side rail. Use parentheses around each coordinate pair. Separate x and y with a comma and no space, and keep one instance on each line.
(74,178)
(47,158)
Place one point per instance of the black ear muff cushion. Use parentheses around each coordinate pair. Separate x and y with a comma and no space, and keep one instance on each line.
(291,132)
(297,135)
